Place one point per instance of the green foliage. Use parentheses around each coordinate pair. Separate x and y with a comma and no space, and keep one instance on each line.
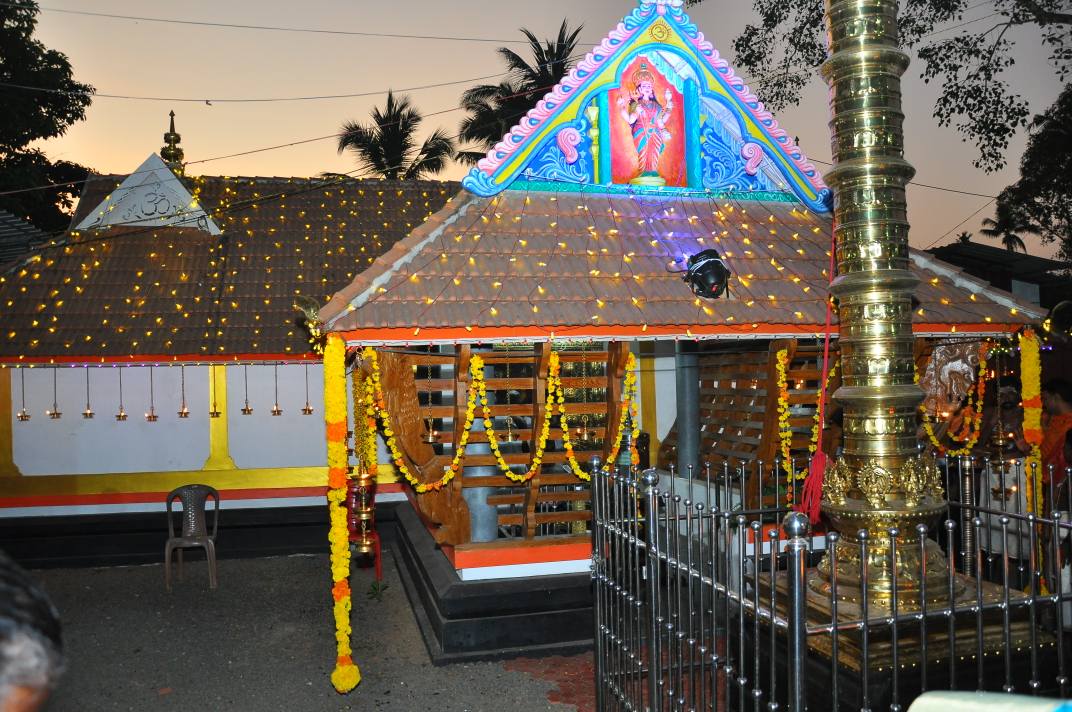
(387,146)
(495,108)
(1008,224)
(783,49)
(30,115)
(48,208)
(376,589)
(1043,195)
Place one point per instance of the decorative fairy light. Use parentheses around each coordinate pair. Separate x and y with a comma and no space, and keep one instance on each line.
(184,412)
(23,415)
(151,416)
(122,414)
(246,410)
(276,410)
(307,409)
(55,413)
(88,412)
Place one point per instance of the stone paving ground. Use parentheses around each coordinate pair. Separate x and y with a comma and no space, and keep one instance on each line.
(264,641)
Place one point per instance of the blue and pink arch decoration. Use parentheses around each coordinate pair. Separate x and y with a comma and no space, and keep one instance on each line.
(652,108)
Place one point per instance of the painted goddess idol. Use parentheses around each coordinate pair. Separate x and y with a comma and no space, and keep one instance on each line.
(647,118)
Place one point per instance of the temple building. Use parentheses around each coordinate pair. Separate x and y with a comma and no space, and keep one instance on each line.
(649,210)
(158,343)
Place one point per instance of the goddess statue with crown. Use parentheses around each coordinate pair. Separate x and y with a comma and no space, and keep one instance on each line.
(647,118)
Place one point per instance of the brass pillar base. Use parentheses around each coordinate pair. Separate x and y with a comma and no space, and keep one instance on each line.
(911,655)
(869,503)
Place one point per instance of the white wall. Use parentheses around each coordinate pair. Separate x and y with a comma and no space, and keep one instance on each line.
(74,445)
(288,440)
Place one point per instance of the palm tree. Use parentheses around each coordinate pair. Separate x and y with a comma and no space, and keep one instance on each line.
(1008,225)
(495,108)
(387,146)
(964,237)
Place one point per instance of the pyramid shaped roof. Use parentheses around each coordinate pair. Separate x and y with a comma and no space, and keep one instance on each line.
(653,106)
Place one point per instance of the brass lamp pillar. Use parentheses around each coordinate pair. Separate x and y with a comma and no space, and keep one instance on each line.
(881,482)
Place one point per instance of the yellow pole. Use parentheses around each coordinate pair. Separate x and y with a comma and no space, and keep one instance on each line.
(649,415)
(8,468)
(219,453)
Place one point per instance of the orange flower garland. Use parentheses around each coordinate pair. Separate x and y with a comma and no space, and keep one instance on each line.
(346,675)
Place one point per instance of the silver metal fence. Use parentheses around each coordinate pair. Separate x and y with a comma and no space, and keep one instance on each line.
(704,604)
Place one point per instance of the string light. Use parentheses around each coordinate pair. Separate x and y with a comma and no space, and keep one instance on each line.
(307,409)
(88,412)
(246,410)
(276,410)
(184,412)
(122,414)
(23,415)
(151,416)
(214,412)
(55,413)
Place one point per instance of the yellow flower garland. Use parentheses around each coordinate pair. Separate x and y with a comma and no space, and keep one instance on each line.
(629,388)
(375,407)
(378,406)
(346,675)
(1031,396)
(541,443)
(785,433)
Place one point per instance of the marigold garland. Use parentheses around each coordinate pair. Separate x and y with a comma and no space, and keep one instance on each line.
(378,407)
(346,675)
(785,433)
(629,409)
(1031,395)
(545,429)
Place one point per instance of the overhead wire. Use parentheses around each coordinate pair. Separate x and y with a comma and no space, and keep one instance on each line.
(210,100)
(268,28)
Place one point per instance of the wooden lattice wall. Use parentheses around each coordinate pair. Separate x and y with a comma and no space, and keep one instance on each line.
(428,391)
(739,402)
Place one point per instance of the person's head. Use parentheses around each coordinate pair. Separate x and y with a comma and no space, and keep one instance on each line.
(31,648)
(1009,390)
(1057,396)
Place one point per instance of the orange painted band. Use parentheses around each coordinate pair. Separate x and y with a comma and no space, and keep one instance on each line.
(505,556)
(461,334)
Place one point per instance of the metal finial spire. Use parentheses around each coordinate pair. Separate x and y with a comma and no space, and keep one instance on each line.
(171,153)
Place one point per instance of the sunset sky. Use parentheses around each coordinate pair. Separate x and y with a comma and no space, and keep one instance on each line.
(173,61)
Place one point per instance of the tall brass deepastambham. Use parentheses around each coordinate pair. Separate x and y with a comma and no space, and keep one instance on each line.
(882,481)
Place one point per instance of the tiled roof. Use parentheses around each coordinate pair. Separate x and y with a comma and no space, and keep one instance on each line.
(528,265)
(17,237)
(169,292)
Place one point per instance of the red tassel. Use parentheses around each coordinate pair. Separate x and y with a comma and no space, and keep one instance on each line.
(812,495)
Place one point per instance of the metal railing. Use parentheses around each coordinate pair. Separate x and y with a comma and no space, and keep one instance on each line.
(701,604)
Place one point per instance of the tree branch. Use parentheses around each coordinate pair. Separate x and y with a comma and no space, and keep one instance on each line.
(1043,16)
